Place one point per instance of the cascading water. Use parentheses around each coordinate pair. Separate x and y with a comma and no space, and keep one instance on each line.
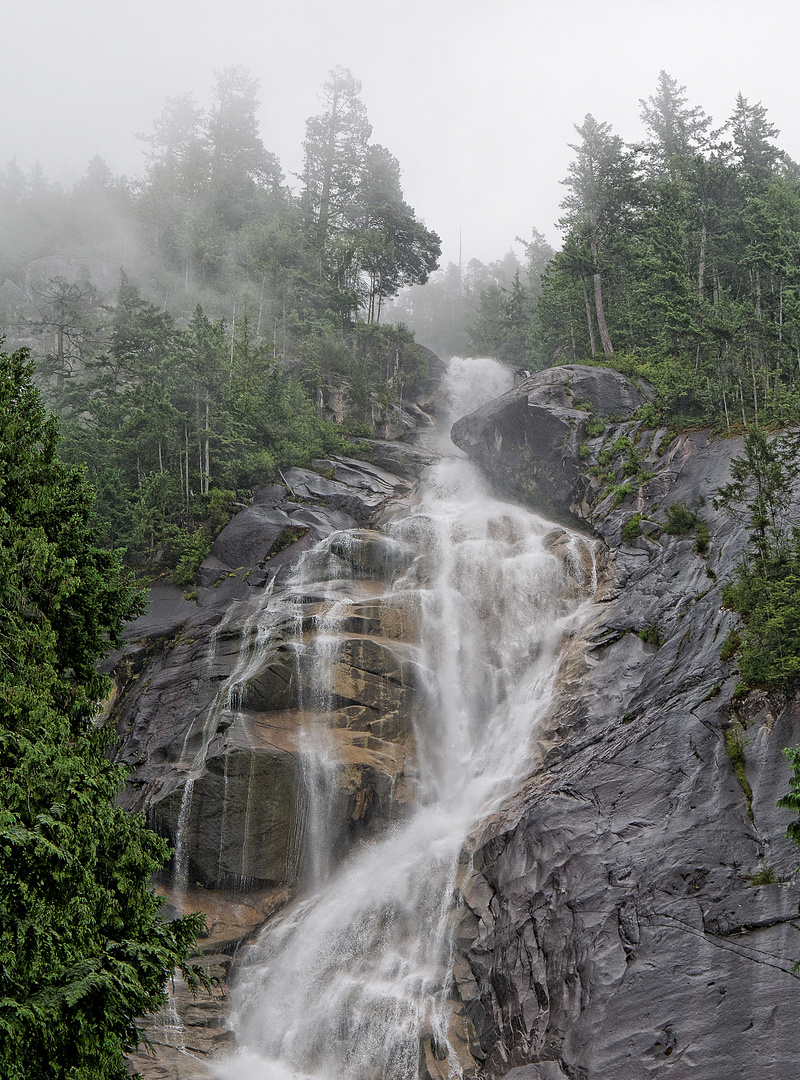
(317,761)
(350,978)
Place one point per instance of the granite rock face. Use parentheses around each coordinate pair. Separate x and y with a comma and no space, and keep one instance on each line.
(631,911)
(528,440)
(220,693)
(611,924)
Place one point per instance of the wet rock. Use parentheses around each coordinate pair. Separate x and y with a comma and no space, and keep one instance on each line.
(222,704)
(528,440)
(167,610)
(378,675)
(241,820)
(321,521)
(249,536)
(212,570)
(399,458)
(371,553)
(616,931)
(269,494)
(356,488)
(395,616)
(189,1032)
(393,422)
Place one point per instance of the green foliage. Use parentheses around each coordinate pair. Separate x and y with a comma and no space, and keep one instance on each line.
(765,875)
(762,491)
(680,264)
(267,320)
(766,589)
(791,801)
(769,653)
(83,950)
(651,636)
(734,748)
(680,519)
(188,550)
(701,537)
(174,422)
(731,645)
(631,528)
(500,328)
(288,537)
(594,426)
(220,508)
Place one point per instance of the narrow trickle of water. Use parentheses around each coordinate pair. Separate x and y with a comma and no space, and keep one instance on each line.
(171,1024)
(255,638)
(346,982)
(181,847)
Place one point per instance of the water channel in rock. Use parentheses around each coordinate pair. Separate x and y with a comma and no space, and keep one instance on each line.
(348,980)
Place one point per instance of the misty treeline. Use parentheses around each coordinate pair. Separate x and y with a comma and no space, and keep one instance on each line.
(207,365)
(479,309)
(680,261)
(683,251)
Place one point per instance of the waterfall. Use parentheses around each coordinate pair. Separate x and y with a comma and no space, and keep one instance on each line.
(317,763)
(351,978)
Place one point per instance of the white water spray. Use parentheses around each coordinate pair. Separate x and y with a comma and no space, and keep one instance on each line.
(349,979)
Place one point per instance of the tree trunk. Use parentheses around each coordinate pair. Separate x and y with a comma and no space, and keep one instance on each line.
(608,349)
(589,321)
(60,357)
(605,338)
(755,392)
(701,269)
(186,447)
(325,197)
(207,454)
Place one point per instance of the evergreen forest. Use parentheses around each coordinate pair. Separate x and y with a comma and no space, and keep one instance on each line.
(680,261)
(190,328)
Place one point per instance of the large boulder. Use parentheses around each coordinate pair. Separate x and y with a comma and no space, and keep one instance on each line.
(528,441)
(249,537)
(633,908)
(355,488)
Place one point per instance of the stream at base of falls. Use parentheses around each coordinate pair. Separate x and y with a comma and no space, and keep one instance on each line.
(348,980)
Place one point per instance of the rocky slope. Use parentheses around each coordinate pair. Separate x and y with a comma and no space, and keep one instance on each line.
(214,689)
(612,925)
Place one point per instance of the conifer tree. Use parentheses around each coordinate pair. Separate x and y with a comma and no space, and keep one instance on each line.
(83,951)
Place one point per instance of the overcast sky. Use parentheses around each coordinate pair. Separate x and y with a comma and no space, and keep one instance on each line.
(476,98)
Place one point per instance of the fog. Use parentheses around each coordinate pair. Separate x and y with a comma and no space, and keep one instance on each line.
(476,100)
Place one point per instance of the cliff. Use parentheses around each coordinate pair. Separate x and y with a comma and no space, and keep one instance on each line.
(217,691)
(632,907)
(613,924)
